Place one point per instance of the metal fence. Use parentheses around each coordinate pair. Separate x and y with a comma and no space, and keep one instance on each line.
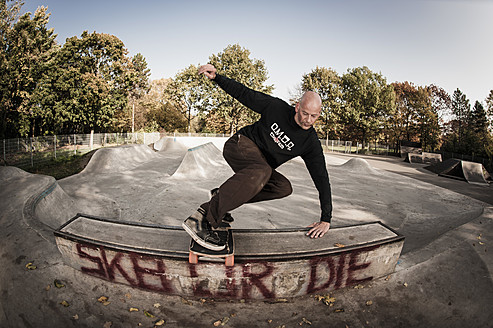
(349,147)
(27,152)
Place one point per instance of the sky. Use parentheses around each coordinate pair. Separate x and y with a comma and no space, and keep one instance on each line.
(448,43)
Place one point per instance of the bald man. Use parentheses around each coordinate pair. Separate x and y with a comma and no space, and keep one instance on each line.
(254,153)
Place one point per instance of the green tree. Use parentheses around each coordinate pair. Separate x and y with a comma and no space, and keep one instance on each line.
(369,103)
(461,110)
(186,94)
(327,84)
(489,109)
(225,113)
(89,84)
(29,47)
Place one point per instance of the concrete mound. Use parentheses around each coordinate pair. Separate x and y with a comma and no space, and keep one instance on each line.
(359,165)
(201,162)
(169,144)
(10,172)
(118,159)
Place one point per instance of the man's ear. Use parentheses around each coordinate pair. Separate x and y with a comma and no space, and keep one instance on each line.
(297,107)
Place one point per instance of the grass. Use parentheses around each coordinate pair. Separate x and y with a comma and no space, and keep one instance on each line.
(62,167)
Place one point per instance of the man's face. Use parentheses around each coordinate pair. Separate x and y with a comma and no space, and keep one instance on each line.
(306,115)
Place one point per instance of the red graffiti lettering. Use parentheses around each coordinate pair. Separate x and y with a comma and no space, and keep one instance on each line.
(256,279)
(141,272)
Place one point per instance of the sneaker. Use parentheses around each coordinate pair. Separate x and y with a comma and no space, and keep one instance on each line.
(201,231)
(227,217)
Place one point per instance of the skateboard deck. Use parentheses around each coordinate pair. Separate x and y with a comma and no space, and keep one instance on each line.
(199,252)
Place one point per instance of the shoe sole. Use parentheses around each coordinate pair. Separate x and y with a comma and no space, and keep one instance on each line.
(200,241)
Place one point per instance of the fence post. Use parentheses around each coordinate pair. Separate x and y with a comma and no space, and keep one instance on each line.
(54,142)
(91,140)
(31,146)
(144,138)
(4,157)
(75,144)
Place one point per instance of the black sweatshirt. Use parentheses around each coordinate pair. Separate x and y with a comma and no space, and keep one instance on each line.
(280,138)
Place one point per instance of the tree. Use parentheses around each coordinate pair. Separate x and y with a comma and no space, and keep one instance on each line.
(326,83)
(137,77)
(489,109)
(369,103)
(28,49)
(89,84)
(461,110)
(234,62)
(186,93)
(159,111)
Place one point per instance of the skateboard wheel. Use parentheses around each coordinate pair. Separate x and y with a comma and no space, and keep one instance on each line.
(230,260)
(193,258)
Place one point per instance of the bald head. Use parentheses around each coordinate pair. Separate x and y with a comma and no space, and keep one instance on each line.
(308,109)
(311,99)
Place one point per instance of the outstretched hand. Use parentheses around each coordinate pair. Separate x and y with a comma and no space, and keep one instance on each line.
(208,70)
(318,229)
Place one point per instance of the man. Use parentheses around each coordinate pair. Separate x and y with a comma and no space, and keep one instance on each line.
(254,153)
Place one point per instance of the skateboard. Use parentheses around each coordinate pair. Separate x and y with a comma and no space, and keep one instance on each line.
(228,253)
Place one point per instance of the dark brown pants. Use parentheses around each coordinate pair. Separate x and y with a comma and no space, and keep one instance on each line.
(254,180)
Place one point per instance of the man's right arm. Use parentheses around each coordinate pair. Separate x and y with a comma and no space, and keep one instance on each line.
(255,100)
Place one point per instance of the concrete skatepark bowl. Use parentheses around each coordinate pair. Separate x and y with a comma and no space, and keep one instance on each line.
(444,264)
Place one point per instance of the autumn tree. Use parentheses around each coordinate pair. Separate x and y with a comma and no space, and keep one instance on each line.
(230,115)
(326,83)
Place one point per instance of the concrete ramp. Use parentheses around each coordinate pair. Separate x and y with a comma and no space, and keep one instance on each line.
(118,159)
(201,162)
(470,172)
(269,264)
(170,144)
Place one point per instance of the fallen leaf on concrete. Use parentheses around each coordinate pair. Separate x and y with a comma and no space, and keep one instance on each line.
(127,295)
(281,300)
(359,287)
(64,303)
(339,245)
(405,284)
(107,324)
(326,299)
(159,323)
(338,310)
(480,235)
(481,243)
(304,320)
(76,317)
(149,314)
(157,305)
(387,278)
(217,323)
(269,321)
(225,321)
(31,266)
(58,284)
(47,288)
(186,302)
(133,309)
(368,303)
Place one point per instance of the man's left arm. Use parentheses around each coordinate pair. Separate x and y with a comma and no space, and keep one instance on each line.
(315,163)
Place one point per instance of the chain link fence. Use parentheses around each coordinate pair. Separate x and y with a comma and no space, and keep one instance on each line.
(28,152)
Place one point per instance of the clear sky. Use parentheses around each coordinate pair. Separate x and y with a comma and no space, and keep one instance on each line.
(448,43)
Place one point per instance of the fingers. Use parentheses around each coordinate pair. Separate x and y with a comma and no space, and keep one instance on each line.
(319,229)
(208,70)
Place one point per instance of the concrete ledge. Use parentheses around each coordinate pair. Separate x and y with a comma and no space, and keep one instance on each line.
(268,263)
